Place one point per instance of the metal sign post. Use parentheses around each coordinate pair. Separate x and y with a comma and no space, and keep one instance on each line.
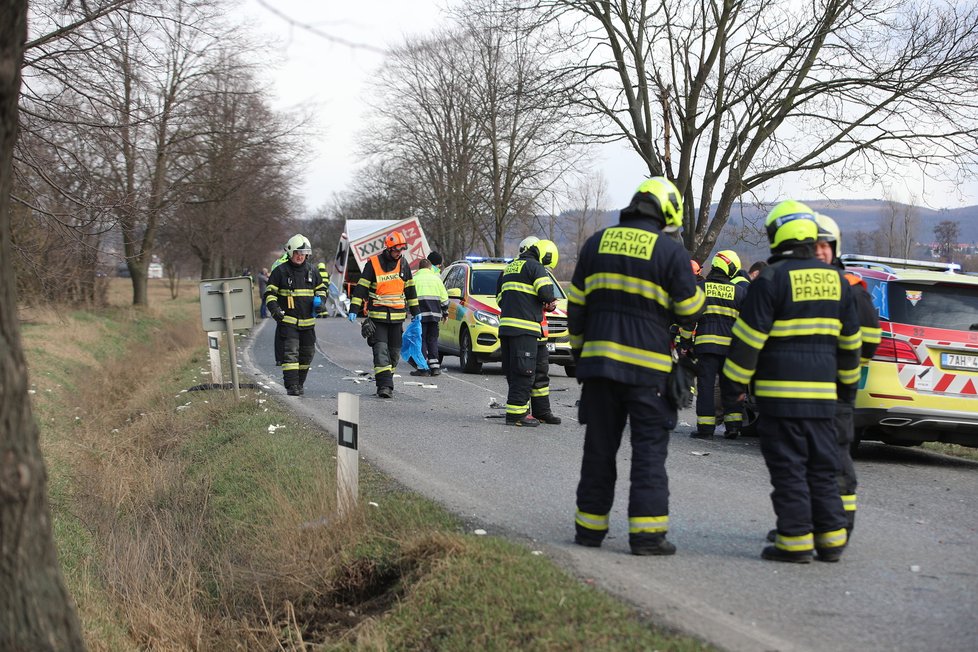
(347,452)
(231,301)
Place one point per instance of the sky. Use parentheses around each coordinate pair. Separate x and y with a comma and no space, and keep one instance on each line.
(328,77)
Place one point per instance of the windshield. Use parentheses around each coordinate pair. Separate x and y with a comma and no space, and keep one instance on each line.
(483,281)
(934,305)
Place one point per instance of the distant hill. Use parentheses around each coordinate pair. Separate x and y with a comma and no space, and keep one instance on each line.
(853,216)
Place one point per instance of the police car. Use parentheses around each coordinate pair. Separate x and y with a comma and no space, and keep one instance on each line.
(922,384)
(472,329)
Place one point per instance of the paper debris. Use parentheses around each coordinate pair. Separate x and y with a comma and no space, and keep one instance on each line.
(429,386)
(373,504)
(412,382)
(493,403)
(536,553)
(699,453)
(915,568)
(480,532)
(275,427)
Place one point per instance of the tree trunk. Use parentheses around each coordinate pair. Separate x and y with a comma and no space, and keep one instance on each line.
(36,612)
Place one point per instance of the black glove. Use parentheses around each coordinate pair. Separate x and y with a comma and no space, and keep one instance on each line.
(278,315)
(368,329)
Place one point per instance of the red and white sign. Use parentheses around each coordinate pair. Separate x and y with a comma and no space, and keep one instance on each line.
(371,245)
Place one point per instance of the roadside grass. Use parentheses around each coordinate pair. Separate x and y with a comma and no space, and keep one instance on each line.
(184,523)
(953,450)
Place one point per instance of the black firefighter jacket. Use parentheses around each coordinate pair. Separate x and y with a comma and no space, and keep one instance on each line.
(796,338)
(723,301)
(630,284)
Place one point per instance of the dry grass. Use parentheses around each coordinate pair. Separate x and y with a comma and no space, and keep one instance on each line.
(183,524)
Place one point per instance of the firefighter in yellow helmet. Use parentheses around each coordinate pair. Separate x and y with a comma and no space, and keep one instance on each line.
(386,289)
(723,300)
(289,296)
(797,340)
(632,281)
(525,293)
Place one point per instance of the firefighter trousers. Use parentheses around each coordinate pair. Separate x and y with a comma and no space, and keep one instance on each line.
(845,433)
(803,459)
(298,347)
(605,405)
(386,345)
(520,366)
(708,366)
(540,389)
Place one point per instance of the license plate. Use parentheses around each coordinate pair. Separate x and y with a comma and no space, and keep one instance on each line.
(959,361)
(551,347)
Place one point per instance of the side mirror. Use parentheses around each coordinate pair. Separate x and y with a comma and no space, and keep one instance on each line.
(455,293)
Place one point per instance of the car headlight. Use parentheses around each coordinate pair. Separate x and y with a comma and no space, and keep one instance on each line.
(487,318)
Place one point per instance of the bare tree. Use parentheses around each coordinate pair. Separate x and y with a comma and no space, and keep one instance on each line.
(36,612)
(589,202)
(723,96)
(946,236)
(898,227)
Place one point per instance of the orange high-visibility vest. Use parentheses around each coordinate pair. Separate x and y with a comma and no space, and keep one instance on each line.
(389,291)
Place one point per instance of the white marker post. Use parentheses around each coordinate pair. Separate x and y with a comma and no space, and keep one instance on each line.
(347,451)
(214,346)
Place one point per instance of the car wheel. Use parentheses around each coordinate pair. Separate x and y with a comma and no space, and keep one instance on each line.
(470,364)
(570,370)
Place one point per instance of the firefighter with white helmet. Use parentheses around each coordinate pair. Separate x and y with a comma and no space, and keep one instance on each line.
(289,296)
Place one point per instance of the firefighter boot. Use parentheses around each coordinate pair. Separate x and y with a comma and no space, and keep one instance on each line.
(293,390)
(829,554)
(385,392)
(651,544)
(549,417)
(701,434)
(773,553)
(524,421)
(420,372)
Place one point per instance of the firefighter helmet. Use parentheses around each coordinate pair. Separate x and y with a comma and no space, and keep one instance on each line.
(659,198)
(828,231)
(547,251)
(395,240)
(727,261)
(528,242)
(790,223)
(298,244)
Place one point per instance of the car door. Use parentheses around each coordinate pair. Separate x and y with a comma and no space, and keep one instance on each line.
(454,279)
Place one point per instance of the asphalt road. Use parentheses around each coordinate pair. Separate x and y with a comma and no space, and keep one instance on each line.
(908,580)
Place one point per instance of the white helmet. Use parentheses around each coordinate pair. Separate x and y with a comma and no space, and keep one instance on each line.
(528,242)
(298,244)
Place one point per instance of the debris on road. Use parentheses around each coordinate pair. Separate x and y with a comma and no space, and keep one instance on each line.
(699,453)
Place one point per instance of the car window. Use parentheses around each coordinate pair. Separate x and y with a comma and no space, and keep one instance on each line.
(483,281)
(453,279)
(940,305)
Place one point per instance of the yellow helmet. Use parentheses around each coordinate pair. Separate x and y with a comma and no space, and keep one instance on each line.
(727,261)
(658,197)
(828,231)
(790,223)
(528,242)
(547,251)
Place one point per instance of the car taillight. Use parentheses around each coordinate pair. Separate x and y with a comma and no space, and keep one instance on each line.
(892,349)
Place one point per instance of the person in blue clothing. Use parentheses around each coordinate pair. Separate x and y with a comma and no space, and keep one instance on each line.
(433,304)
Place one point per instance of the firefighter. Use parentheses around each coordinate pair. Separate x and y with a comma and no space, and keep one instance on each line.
(386,286)
(525,294)
(289,296)
(797,339)
(723,300)
(827,249)
(323,273)
(631,282)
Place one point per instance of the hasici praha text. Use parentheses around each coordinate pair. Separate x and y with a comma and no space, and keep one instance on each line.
(625,241)
(815,285)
